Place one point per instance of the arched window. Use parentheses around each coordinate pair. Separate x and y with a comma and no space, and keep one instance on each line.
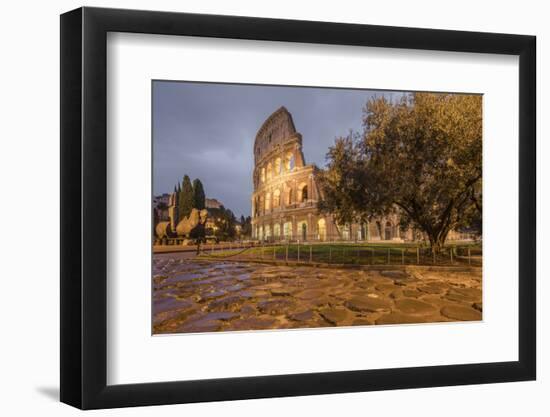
(302,193)
(263,175)
(277,230)
(388,231)
(289,162)
(288,196)
(276,198)
(269,171)
(322,228)
(267,233)
(268,202)
(262,204)
(278,166)
(302,230)
(287,230)
(345,232)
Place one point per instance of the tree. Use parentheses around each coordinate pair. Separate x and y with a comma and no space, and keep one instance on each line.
(186,197)
(419,157)
(224,221)
(198,233)
(199,199)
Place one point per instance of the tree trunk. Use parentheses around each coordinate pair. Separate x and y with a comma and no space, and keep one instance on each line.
(437,242)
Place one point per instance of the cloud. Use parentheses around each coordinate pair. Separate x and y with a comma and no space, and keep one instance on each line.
(207,131)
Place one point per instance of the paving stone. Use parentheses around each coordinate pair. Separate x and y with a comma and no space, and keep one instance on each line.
(335,315)
(309,294)
(241,296)
(478,306)
(464,294)
(434,288)
(414,307)
(395,274)
(306,315)
(461,313)
(398,318)
(281,291)
(362,322)
(368,304)
(278,306)
(200,326)
(254,323)
(386,288)
(411,293)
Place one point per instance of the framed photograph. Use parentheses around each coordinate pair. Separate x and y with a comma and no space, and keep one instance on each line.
(258,208)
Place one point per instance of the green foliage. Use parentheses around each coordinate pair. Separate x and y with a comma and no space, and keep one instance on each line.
(246,226)
(224,221)
(420,157)
(186,198)
(199,198)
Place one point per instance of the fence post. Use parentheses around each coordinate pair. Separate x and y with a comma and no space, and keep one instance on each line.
(262,252)
(451,255)
(274,249)
(358,257)
(469,257)
(388,256)
(330,254)
(402,256)
(286,256)
(310,253)
(372,255)
(417,255)
(298,251)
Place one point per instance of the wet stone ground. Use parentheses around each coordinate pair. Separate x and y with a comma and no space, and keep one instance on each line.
(202,296)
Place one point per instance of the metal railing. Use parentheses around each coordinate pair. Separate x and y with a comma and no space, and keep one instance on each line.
(346,254)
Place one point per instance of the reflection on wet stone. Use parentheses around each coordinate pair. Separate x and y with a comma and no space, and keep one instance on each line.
(193,296)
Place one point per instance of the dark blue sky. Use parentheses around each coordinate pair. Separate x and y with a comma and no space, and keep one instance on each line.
(207,131)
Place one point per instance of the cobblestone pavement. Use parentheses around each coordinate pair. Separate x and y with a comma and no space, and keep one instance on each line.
(203,296)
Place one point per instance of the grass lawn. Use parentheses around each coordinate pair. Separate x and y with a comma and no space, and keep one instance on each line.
(357,253)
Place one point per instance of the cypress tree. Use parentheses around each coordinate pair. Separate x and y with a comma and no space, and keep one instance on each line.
(199,199)
(185,198)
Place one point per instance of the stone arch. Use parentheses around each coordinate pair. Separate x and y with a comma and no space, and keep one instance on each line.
(322,229)
(278,166)
(288,196)
(276,198)
(277,231)
(388,231)
(269,173)
(345,229)
(290,161)
(262,204)
(262,174)
(302,192)
(302,230)
(267,201)
(287,230)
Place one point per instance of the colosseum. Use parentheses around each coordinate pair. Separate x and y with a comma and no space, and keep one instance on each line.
(285,197)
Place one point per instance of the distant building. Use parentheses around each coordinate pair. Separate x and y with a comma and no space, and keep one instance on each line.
(213,203)
(160,204)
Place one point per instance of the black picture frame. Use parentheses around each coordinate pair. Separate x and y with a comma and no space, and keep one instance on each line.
(84,207)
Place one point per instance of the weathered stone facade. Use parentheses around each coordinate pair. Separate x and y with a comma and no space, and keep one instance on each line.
(285,197)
